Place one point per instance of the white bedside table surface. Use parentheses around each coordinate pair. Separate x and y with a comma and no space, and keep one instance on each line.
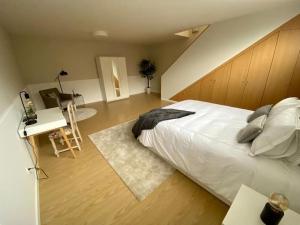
(247,206)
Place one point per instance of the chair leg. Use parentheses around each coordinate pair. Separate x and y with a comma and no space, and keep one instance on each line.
(62,131)
(54,147)
(79,134)
(76,140)
(61,141)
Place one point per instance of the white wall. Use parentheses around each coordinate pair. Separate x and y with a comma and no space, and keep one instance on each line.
(41,59)
(165,53)
(219,43)
(90,89)
(18,189)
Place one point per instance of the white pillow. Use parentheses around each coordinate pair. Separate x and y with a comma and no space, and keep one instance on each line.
(279,137)
(284,104)
(295,158)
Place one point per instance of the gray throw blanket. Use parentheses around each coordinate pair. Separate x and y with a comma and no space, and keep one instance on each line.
(150,119)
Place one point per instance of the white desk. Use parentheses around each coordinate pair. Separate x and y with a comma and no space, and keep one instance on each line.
(247,206)
(47,120)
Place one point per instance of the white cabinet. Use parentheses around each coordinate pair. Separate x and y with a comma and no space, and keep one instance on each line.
(113,78)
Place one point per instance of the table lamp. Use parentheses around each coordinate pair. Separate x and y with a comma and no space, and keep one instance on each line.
(61,73)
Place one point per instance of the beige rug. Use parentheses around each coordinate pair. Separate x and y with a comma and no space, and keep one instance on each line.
(140,169)
(82,114)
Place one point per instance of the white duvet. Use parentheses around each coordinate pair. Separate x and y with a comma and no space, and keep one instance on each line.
(204,147)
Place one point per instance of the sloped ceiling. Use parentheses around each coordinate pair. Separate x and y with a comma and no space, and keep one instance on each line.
(137,21)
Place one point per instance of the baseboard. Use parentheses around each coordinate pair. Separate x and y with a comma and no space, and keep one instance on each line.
(89,88)
(155,91)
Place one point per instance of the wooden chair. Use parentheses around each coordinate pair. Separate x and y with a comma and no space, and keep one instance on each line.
(72,132)
(53,98)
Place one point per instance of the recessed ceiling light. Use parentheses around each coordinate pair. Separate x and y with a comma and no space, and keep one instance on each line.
(100,33)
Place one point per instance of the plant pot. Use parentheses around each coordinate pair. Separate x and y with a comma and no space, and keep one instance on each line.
(148,91)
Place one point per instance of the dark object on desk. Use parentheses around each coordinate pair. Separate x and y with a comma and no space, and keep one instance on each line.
(30,116)
(150,119)
(274,209)
(53,98)
(271,215)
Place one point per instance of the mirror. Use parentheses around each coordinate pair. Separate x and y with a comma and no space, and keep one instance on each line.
(115,77)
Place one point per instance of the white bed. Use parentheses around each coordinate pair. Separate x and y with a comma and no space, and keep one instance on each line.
(204,147)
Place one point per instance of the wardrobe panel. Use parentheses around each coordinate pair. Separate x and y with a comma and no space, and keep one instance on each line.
(293,24)
(206,88)
(258,72)
(294,89)
(285,58)
(220,84)
(238,78)
(193,91)
(179,97)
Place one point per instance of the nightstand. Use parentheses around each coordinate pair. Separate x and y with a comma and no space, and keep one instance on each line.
(247,206)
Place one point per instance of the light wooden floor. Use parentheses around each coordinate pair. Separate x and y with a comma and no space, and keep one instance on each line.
(87,191)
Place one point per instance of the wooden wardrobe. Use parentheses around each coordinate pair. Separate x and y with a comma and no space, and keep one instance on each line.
(264,73)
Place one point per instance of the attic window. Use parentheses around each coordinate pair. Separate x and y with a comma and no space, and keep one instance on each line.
(191,32)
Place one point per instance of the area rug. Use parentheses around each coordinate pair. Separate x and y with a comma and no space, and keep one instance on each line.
(140,169)
(82,113)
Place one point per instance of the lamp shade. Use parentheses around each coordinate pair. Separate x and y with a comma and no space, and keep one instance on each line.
(63,73)
(26,95)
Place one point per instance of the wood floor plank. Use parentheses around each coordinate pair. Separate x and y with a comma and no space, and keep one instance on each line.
(87,191)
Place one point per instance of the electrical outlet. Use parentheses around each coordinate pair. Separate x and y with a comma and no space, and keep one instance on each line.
(29,171)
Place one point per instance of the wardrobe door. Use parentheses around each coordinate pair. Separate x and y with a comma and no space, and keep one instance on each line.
(193,91)
(206,88)
(285,58)
(220,84)
(258,72)
(238,78)
(294,89)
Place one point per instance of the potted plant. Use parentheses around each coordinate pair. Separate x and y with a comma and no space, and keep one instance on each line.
(147,70)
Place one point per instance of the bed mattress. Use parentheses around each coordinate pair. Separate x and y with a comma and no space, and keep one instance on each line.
(204,147)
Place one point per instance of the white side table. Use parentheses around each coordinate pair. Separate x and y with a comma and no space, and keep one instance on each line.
(247,206)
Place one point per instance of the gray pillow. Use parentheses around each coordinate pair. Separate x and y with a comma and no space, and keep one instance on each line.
(264,110)
(252,130)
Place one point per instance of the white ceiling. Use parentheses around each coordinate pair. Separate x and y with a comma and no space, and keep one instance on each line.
(137,21)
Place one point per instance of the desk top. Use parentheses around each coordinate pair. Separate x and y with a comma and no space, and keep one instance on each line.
(47,120)
(247,206)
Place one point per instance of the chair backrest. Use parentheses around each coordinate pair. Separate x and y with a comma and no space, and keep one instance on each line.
(50,97)
(72,116)
(48,91)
